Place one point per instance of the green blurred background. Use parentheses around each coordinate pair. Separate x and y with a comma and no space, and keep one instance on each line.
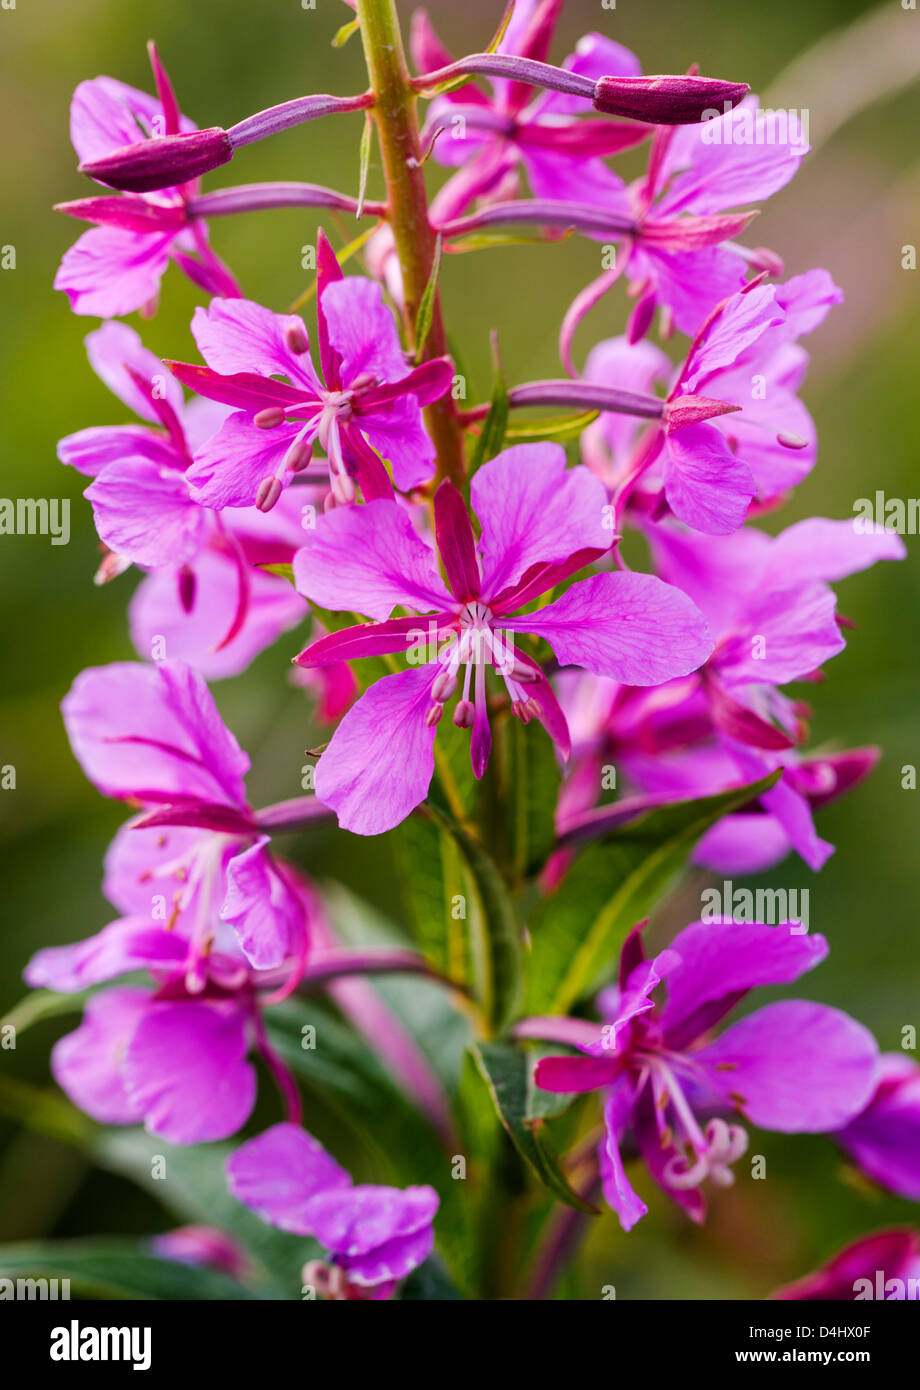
(852,208)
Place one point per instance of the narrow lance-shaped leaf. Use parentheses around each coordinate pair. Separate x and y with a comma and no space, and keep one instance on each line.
(578,929)
(426,305)
(492,435)
(495,939)
(507,1071)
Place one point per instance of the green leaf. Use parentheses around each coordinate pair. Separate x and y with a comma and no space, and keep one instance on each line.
(531,779)
(427,302)
(430,1283)
(508,1072)
(111,1267)
(492,435)
(493,932)
(344,34)
(577,930)
(502,28)
(191,1182)
(367,137)
(433,881)
(280,571)
(558,427)
(489,241)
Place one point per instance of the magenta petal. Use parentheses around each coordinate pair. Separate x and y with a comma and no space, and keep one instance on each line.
(368,639)
(145,514)
(818,549)
(106,114)
(154,733)
(632,627)
(119,358)
(87,1063)
(261,908)
(280,1172)
(129,944)
(380,760)
(800,1067)
(108,271)
(90,451)
(720,961)
(534,510)
(705,484)
(456,542)
(884,1139)
(398,434)
(786,634)
(185,1068)
(576,1074)
(238,335)
(362,330)
(369,560)
(618,1190)
(355,1223)
(229,466)
(156,612)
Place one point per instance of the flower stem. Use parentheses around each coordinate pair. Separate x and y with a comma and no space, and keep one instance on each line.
(397,130)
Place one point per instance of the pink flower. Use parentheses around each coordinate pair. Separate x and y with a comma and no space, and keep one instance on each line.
(367,407)
(205,601)
(117,267)
(795,1067)
(152,735)
(541,523)
(374,1235)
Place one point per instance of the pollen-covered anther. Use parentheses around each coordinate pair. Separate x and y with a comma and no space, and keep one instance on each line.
(464,714)
(295,339)
(433,714)
(269,418)
(267,494)
(299,455)
(443,686)
(792,441)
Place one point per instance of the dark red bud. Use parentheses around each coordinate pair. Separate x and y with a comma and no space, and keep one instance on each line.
(163,162)
(683,100)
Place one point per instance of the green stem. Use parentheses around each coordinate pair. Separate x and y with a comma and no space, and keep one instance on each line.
(407,200)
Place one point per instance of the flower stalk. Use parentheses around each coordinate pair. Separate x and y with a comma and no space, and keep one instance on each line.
(395,117)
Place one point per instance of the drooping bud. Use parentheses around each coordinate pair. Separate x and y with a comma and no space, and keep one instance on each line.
(683,100)
(162,162)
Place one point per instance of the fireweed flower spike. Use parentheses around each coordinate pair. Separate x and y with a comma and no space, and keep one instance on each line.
(540,524)
(116,267)
(367,405)
(375,1236)
(795,1067)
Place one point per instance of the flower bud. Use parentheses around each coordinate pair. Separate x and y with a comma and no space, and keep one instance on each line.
(667,100)
(162,162)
